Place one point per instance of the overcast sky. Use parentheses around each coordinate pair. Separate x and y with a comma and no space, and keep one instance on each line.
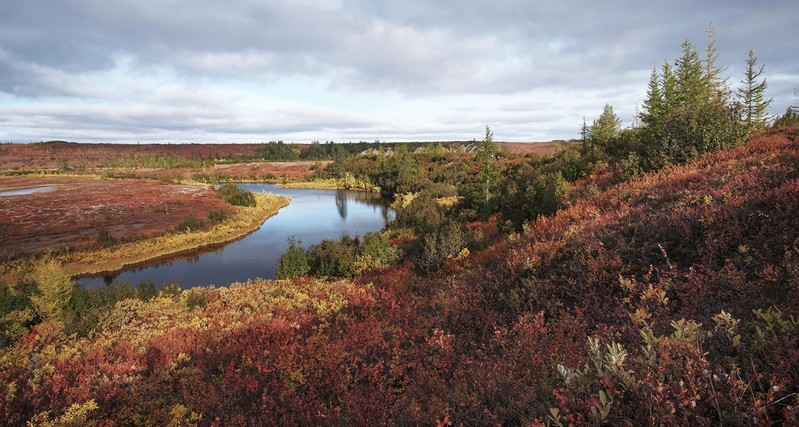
(303,70)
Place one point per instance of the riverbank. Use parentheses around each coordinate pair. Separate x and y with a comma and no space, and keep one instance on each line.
(84,212)
(120,256)
(332,184)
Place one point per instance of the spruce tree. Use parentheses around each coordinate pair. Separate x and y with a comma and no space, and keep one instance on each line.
(752,95)
(605,128)
(715,83)
(653,104)
(660,107)
(687,111)
(690,77)
(488,173)
(480,195)
(668,84)
(294,262)
(584,132)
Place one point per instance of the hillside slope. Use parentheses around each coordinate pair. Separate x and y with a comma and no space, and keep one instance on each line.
(669,299)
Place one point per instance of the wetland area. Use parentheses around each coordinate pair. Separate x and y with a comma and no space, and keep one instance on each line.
(312,215)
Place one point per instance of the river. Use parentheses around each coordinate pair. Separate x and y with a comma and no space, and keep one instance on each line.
(312,215)
(24,191)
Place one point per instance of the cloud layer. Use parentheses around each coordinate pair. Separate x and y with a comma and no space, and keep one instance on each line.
(247,70)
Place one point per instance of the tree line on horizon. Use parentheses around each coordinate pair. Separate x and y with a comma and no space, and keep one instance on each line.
(330,150)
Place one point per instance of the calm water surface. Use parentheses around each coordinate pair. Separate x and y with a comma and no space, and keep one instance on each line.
(312,216)
(24,191)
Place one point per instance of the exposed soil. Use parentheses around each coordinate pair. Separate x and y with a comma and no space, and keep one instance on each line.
(74,214)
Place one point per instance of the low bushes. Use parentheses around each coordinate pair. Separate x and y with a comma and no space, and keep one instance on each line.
(236,196)
(346,257)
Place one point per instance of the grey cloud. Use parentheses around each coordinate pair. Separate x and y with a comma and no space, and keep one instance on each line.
(412,46)
(415,50)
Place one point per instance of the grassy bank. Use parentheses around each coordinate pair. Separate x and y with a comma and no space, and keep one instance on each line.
(333,184)
(245,221)
(106,260)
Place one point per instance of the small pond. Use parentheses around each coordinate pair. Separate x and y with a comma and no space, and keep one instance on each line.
(312,216)
(23,191)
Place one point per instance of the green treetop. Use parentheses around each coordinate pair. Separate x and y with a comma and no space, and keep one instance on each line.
(717,89)
(752,95)
(691,82)
(653,104)
(606,127)
(668,88)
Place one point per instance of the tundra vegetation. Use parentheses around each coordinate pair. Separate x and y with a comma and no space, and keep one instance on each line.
(647,275)
(242,213)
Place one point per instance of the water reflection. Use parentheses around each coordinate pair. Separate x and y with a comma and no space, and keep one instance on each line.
(313,215)
(341,203)
(24,191)
(344,197)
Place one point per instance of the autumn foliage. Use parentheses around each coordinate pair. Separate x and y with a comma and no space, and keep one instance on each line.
(671,299)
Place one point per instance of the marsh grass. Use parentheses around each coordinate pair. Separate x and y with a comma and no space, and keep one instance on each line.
(333,184)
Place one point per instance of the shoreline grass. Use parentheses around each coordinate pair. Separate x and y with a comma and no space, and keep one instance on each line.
(332,184)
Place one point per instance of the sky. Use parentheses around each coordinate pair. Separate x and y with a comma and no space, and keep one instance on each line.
(204,71)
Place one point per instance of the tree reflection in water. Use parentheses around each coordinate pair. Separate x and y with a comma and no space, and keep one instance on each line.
(343,197)
(341,203)
(310,217)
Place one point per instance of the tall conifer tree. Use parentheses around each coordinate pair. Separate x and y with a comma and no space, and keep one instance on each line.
(585,133)
(480,195)
(690,77)
(752,95)
(715,82)
(605,128)
(668,88)
(653,104)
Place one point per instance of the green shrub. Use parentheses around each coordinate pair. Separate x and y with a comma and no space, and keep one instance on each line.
(236,196)
(170,290)
(422,215)
(332,259)
(105,238)
(293,263)
(196,299)
(375,250)
(547,193)
(219,216)
(190,222)
(146,291)
(790,118)
(16,312)
(378,247)
(439,246)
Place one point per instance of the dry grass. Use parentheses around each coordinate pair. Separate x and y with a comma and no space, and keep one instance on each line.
(348,183)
